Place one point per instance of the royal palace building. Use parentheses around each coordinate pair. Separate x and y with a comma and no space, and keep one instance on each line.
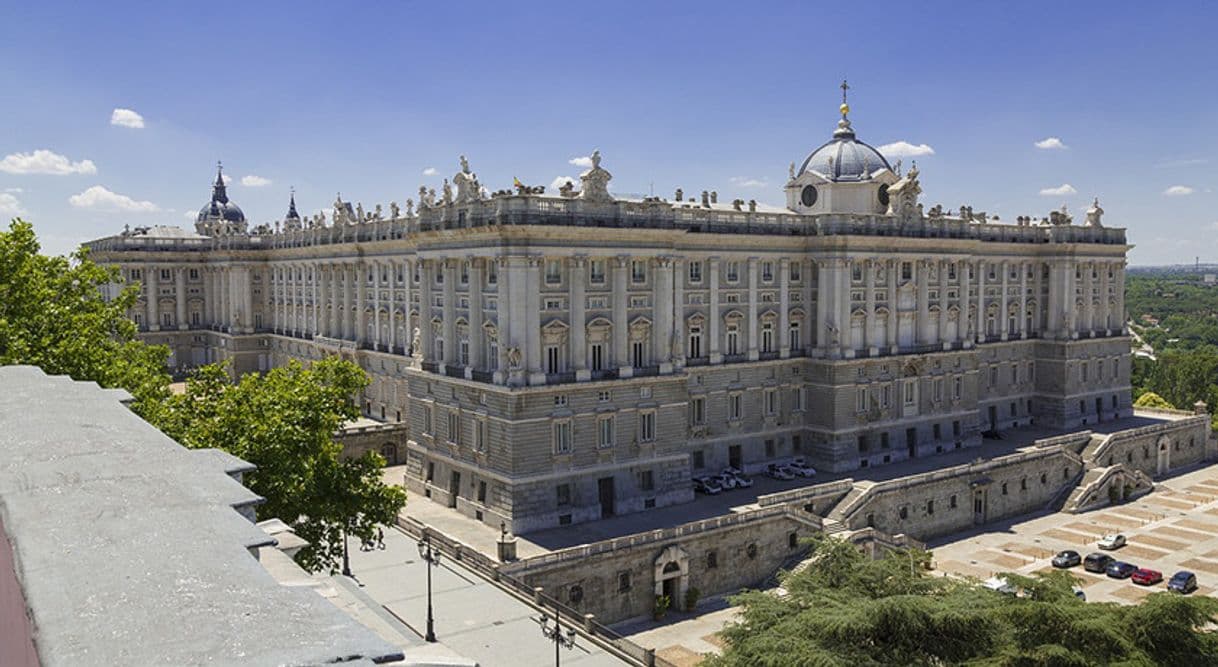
(559,357)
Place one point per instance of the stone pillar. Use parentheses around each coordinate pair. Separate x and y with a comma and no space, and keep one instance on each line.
(713,323)
(448,324)
(376,305)
(661,328)
(981,326)
(807,331)
(503,318)
(754,281)
(944,304)
(824,283)
(532,321)
(1088,324)
(361,302)
(152,280)
(869,309)
(180,294)
(1038,320)
(225,302)
(962,302)
(1069,300)
(922,276)
(316,293)
(247,297)
(620,326)
(1118,276)
(680,275)
(476,342)
(1102,313)
(842,293)
(894,319)
(1004,305)
(348,273)
(784,308)
(427,338)
(1023,300)
(578,276)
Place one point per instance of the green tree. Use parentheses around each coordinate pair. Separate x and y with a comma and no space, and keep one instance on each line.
(283,421)
(846,609)
(53,315)
(1152,400)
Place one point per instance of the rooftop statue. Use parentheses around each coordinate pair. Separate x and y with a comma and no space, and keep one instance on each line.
(595,181)
(1094,214)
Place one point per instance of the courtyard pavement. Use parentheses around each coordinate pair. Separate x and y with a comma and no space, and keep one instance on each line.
(473,618)
(1175,527)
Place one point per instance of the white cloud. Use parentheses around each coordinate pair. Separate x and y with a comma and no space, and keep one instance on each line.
(747,182)
(1063,189)
(905,149)
(582,161)
(10,205)
(252,181)
(1187,162)
(100,199)
(559,180)
(127,118)
(1178,191)
(228,180)
(14,190)
(43,161)
(430,171)
(1050,144)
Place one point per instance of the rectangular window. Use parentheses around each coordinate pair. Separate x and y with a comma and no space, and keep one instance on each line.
(860,399)
(1014,373)
(733,272)
(562,437)
(1082,372)
(911,392)
(695,272)
(562,494)
(194,274)
(767,271)
(553,272)
(993,376)
(598,357)
(647,480)
(885,396)
(957,387)
(695,342)
(560,401)
(699,459)
(638,271)
(427,419)
(492,273)
(794,340)
(553,360)
(479,435)
(464,274)
(596,271)
(796,271)
(165,275)
(604,396)
(801,399)
(647,426)
(906,270)
(733,339)
(697,411)
(604,432)
(454,433)
(938,389)
(623,581)
(735,406)
(638,354)
(482,492)
(771,402)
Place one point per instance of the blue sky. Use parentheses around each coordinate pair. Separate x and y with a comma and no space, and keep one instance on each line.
(702,95)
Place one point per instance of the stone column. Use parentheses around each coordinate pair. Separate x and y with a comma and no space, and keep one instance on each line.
(153,287)
(1023,300)
(1118,275)
(1088,324)
(1004,305)
(503,318)
(894,313)
(661,328)
(754,280)
(181,297)
(944,304)
(981,332)
(427,338)
(1071,312)
(620,326)
(784,308)
(344,318)
(1102,312)
(449,324)
(1038,320)
(842,293)
(824,283)
(713,323)
(962,302)
(476,342)
(532,321)
(869,309)
(361,302)
(225,300)
(807,331)
(578,276)
(680,270)
(316,293)
(922,276)
(376,305)
(247,297)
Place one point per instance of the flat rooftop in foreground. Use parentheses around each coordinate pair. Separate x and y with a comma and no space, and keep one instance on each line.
(128,549)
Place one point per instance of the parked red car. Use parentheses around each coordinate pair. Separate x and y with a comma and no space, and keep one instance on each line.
(1146,577)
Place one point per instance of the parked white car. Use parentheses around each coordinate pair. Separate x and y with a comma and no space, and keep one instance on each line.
(743,481)
(707,485)
(727,480)
(1113,541)
(776,471)
(800,469)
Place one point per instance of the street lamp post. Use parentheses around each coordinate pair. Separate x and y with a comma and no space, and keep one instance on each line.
(431,556)
(346,558)
(561,640)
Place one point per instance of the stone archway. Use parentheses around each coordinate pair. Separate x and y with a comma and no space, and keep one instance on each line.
(1164,461)
(672,576)
(389,451)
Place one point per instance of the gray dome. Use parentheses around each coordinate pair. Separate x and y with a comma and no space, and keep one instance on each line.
(217,210)
(845,158)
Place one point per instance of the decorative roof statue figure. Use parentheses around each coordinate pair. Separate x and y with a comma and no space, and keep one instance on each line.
(468,188)
(1094,214)
(447,193)
(394,211)
(422,197)
(409,208)
(595,181)
(340,210)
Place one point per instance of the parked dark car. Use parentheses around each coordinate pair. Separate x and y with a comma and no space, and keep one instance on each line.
(1182,582)
(1067,559)
(1120,569)
(1097,562)
(1146,577)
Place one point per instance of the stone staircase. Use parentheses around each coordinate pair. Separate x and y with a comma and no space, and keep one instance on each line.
(850,503)
(1089,493)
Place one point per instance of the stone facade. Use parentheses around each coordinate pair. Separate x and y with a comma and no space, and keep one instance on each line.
(558,358)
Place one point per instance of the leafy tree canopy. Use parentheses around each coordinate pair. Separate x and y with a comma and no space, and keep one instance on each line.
(283,421)
(53,314)
(1152,400)
(846,609)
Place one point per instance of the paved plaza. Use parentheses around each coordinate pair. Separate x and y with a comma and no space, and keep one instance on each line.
(1173,528)
(473,618)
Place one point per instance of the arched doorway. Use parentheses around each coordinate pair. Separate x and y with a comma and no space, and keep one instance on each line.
(1164,462)
(672,576)
(390,452)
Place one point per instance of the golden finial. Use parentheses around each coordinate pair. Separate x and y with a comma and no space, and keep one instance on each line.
(844,108)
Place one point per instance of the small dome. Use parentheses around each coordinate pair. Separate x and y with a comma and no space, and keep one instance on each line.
(844,158)
(220,216)
(226,211)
